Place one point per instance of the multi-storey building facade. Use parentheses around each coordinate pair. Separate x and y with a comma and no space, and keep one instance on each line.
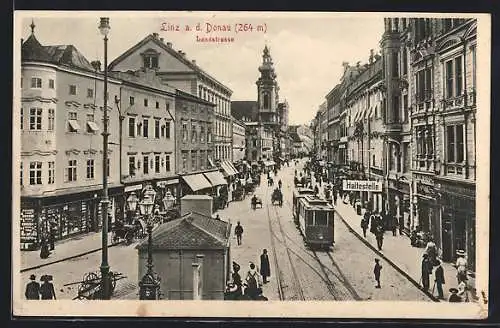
(147,144)
(410,122)
(61,115)
(239,141)
(174,69)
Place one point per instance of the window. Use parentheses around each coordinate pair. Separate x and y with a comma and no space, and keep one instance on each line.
(90,169)
(406,157)
(131,127)
(131,100)
(35,173)
(193,134)
(209,135)
(321,218)
(167,163)
(167,106)
(373,160)
(73,125)
(90,120)
(453,77)
(194,161)
(21,174)
(424,85)
(71,171)
(157,128)
(131,166)
(145,128)
(395,64)
(51,119)
(145,102)
(36,82)
(202,160)
(108,167)
(404,62)
(90,93)
(202,134)
(455,143)
(184,161)
(405,108)
(266,101)
(145,164)
(167,129)
(184,132)
(51,84)
(157,105)
(473,51)
(35,118)
(22,118)
(151,61)
(157,163)
(72,89)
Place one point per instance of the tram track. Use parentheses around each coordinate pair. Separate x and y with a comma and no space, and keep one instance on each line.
(299,293)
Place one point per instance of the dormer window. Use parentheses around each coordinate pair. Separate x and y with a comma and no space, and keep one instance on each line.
(150,58)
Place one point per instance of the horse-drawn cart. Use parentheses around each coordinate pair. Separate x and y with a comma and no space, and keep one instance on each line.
(127,232)
(277,197)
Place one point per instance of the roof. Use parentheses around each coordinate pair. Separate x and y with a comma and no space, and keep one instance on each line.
(155,39)
(196,197)
(143,79)
(64,55)
(244,108)
(193,231)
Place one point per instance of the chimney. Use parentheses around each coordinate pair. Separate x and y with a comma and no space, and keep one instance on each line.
(155,35)
(169,44)
(372,55)
(193,61)
(96,64)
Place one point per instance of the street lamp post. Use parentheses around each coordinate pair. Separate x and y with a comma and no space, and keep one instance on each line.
(132,202)
(149,286)
(106,281)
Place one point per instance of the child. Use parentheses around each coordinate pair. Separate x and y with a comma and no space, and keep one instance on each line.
(376,272)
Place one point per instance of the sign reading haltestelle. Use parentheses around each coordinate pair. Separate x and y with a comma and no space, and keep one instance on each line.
(362,185)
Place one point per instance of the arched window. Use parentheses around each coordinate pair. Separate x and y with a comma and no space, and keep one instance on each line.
(266,101)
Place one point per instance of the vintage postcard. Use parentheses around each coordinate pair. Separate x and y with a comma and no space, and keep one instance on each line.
(237,164)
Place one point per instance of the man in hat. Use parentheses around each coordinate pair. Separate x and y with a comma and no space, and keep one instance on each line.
(47,288)
(454,298)
(265,268)
(439,279)
(238,231)
(236,277)
(461,266)
(376,271)
(32,289)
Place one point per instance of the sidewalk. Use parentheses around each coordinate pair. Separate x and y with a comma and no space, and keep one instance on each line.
(398,250)
(63,249)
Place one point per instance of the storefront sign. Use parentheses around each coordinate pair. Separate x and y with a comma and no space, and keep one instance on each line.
(164,183)
(133,188)
(362,185)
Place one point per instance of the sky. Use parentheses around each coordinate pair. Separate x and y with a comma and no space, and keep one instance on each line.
(307,48)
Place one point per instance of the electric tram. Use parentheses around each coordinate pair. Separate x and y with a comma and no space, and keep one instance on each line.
(316,221)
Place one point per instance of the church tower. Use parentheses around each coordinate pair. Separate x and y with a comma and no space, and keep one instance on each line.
(267,91)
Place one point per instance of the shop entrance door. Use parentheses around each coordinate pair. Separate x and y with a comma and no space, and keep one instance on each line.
(447,239)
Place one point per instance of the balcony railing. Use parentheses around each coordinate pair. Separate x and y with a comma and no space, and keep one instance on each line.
(455,169)
(424,162)
(454,103)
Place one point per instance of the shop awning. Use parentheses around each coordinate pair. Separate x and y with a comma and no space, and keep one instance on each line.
(197,181)
(216,178)
(211,162)
(93,126)
(233,168)
(228,171)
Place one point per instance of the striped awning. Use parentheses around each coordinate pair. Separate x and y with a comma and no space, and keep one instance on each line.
(216,178)
(197,181)
(228,168)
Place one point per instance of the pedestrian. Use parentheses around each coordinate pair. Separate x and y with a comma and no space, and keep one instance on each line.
(401,225)
(454,298)
(32,289)
(265,268)
(426,271)
(252,282)
(394,224)
(238,231)
(47,288)
(439,279)
(379,235)
(364,222)
(237,278)
(44,248)
(316,190)
(461,266)
(52,236)
(463,291)
(431,251)
(279,183)
(376,271)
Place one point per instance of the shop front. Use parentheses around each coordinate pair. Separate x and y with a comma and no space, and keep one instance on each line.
(458,219)
(65,214)
(427,211)
(399,203)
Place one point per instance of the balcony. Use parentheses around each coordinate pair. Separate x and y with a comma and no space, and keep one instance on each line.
(454,103)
